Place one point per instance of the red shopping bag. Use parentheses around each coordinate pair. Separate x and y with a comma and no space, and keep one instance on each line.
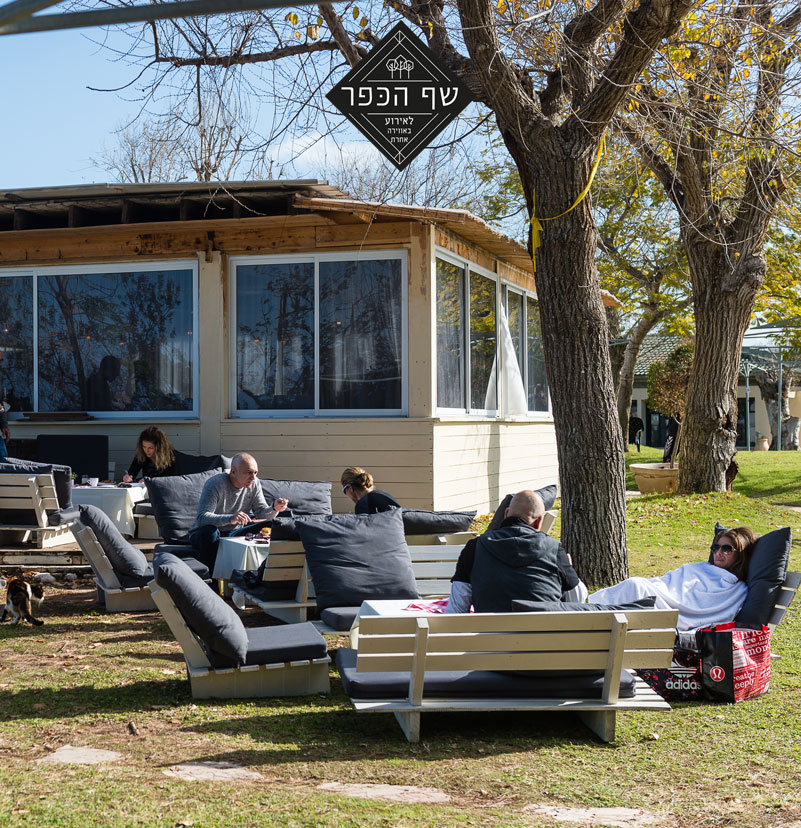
(735,663)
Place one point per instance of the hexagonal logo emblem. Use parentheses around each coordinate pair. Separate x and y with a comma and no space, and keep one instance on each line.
(399,98)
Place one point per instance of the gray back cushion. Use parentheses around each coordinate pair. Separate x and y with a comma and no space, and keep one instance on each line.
(124,557)
(175,501)
(547,493)
(306,497)
(422,522)
(767,570)
(62,476)
(572,606)
(212,620)
(196,463)
(353,558)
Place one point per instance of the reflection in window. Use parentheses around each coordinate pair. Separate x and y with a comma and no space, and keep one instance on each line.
(361,334)
(483,342)
(450,335)
(275,336)
(115,341)
(537,381)
(515,314)
(16,341)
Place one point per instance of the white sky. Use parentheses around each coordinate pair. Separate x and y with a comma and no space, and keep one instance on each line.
(53,123)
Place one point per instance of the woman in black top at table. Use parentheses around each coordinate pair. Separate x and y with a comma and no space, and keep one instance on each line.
(358,487)
(155,456)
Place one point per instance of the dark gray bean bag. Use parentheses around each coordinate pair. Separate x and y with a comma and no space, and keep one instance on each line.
(423,522)
(306,497)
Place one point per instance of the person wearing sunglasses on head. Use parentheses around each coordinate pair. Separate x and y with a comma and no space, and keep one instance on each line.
(359,488)
(705,593)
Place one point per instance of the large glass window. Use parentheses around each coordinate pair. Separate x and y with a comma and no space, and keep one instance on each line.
(324,333)
(483,343)
(450,335)
(275,336)
(16,341)
(111,341)
(537,382)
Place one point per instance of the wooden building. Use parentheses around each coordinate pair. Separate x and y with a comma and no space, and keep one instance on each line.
(284,319)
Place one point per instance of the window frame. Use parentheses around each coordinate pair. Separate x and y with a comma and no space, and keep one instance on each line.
(115,267)
(511,287)
(400,254)
(469,268)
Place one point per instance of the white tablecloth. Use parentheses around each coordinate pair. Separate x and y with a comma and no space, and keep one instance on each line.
(115,502)
(238,553)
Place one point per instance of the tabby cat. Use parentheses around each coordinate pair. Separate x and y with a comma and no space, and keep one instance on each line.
(19,594)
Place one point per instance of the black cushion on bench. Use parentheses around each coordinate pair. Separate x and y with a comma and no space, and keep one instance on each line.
(547,493)
(306,497)
(339,618)
(276,645)
(353,558)
(183,552)
(62,478)
(422,522)
(480,684)
(175,501)
(245,579)
(126,558)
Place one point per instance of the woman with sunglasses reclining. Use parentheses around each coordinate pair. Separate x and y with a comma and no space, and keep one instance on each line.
(704,593)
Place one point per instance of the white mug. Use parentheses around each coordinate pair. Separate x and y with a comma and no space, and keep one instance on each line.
(93,481)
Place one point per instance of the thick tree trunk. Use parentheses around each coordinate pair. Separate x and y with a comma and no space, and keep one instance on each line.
(575,338)
(723,300)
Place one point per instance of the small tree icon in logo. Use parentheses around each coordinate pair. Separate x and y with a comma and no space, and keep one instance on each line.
(399,65)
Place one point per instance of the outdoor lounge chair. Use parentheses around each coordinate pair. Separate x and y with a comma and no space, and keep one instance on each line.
(223,658)
(36,503)
(122,572)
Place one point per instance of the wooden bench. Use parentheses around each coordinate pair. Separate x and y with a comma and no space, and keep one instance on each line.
(792,581)
(110,592)
(35,494)
(433,563)
(292,678)
(569,641)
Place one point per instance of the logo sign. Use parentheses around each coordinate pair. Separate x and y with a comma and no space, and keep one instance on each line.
(717,673)
(399,98)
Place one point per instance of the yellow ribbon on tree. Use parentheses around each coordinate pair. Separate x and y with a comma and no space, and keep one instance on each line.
(536,223)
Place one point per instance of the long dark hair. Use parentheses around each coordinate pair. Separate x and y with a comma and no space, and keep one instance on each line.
(742,541)
(165,454)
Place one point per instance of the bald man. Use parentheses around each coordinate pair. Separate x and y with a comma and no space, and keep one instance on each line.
(514,562)
(227,501)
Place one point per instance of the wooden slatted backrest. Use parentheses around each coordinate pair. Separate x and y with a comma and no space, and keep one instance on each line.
(93,551)
(34,493)
(193,650)
(608,641)
(785,598)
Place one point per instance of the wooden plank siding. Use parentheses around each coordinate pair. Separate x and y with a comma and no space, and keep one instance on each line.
(396,451)
(476,464)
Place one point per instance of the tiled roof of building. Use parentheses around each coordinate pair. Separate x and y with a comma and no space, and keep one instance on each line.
(654,348)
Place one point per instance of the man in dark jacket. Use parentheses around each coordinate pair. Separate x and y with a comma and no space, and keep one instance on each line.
(514,562)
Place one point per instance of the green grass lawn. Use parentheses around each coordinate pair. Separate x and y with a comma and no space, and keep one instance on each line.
(84,676)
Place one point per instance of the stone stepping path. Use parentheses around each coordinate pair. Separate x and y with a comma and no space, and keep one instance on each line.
(69,755)
(612,817)
(391,793)
(213,772)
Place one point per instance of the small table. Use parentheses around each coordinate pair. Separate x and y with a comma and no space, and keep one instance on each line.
(238,553)
(113,501)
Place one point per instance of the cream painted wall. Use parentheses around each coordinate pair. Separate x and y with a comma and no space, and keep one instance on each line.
(476,463)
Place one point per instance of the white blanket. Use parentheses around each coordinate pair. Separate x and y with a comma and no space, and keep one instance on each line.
(703,594)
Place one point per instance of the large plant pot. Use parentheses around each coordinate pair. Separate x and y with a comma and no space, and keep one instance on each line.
(762,444)
(655,477)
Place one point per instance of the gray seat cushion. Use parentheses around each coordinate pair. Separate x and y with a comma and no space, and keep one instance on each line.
(353,558)
(212,620)
(144,508)
(339,618)
(547,493)
(184,552)
(479,684)
(174,501)
(123,556)
(422,522)
(277,645)
(306,497)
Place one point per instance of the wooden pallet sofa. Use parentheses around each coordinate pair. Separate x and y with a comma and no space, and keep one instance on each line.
(36,503)
(223,658)
(433,560)
(450,663)
(121,570)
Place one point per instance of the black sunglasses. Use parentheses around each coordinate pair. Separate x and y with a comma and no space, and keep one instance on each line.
(726,548)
